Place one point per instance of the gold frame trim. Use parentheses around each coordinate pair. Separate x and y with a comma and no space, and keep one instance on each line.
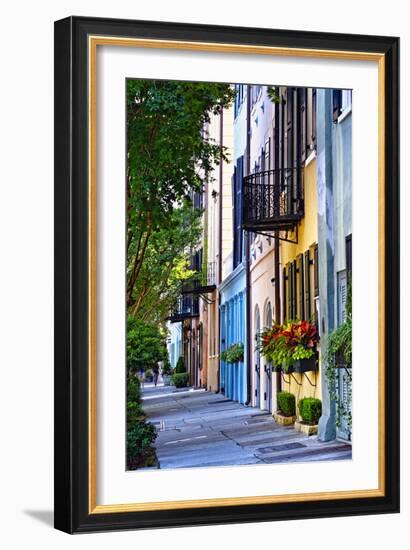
(93,42)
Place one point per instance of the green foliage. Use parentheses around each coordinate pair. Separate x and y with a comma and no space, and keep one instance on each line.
(133,389)
(273,94)
(140,436)
(166,369)
(286,403)
(165,264)
(180,366)
(169,157)
(146,345)
(310,409)
(148,375)
(282,345)
(233,354)
(180,379)
(140,433)
(339,354)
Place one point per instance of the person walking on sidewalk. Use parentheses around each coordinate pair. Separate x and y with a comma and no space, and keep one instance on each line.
(155,370)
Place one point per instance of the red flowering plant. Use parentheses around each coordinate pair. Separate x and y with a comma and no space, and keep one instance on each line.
(272,344)
(300,338)
(285,344)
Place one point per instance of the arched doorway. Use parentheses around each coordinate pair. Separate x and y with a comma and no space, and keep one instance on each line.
(268,366)
(257,360)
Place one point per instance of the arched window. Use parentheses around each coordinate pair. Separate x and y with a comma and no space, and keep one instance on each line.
(268,315)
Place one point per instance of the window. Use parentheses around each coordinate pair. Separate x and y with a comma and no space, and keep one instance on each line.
(239,97)
(267,155)
(255,91)
(268,315)
(342,103)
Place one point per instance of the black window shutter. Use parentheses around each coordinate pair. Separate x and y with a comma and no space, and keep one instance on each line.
(235,244)
(302,123)
(313,118)
(239,197)
(301,292)
(290,291)
(294,290)
(237,202)
(349,256)
(316,270)
(284,296)
(308,309)
(281,117)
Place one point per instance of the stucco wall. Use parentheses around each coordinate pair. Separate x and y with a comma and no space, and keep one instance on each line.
(299,384)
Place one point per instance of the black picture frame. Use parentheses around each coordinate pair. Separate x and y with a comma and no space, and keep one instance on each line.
(71,491)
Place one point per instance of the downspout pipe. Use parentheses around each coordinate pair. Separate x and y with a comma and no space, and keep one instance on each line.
(247,258)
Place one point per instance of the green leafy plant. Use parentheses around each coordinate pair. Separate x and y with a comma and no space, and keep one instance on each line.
(286,403)
(273,94)
(169,156)
(283,345)
(146,345)
(338,353)
(310,409)
(140,436)
(166,369)
(180,366)
(180,379)
(140,433)
(233,354)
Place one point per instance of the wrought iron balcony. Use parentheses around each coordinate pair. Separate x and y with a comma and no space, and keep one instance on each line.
(186,307)
(273,200)
(201,283)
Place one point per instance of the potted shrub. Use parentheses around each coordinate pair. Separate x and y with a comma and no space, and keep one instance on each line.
(180,366)
(286,413)
(310,410)
(166,372)
(180,378)
(233,354)
(149,377)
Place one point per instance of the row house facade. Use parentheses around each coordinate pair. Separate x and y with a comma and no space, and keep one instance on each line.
(276,241)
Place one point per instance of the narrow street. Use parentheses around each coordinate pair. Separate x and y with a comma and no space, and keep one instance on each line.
(199,428)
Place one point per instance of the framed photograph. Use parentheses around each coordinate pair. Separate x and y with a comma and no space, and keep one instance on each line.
(226,274)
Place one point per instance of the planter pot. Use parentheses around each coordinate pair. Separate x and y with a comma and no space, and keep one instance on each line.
(166,379)
(307,429)
(283,420)
(303,365)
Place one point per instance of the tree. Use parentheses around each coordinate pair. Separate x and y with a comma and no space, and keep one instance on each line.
(146,345)
(169,156)
(165,265)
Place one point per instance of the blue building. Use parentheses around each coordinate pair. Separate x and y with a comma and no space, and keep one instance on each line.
(232,331)
(232,290)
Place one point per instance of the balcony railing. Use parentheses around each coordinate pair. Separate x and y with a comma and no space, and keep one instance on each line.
(186,307)
(202,282)
(273,200)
